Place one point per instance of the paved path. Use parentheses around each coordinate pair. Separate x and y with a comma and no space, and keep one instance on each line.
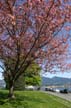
(61,95)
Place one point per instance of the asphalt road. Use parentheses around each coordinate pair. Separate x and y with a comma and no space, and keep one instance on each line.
(61,95)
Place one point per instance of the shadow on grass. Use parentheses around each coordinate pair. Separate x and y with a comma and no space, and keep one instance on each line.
(14,103)
(19,102)
(3,97)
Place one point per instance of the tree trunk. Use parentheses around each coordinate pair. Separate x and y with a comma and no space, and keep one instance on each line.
(11,92)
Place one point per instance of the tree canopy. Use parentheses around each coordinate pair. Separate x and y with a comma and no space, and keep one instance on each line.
(32,30)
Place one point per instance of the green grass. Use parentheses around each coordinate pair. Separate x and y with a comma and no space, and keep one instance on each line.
(32,99)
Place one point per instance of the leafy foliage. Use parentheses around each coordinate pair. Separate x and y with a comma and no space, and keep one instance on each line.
(31,77)
(29,31)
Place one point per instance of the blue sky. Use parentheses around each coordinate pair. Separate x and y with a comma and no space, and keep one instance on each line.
(47,74)
(1,76)
(59,74)
(65,74)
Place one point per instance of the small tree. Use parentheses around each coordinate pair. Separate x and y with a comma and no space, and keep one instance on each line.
(30,77)
(29,31)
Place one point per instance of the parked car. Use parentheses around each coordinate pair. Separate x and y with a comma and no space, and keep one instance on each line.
(56,90)
(49,89)
(64,91)
(30,87)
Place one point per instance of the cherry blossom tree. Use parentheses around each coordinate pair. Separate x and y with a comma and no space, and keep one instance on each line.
(32,30)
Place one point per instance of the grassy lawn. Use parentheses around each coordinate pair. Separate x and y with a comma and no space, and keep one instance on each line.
(32,99)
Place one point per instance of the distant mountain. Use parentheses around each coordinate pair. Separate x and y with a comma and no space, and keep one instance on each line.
(47,81)
(2,83)
(55,81)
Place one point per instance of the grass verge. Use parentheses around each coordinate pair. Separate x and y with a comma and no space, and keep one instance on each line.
(32,99)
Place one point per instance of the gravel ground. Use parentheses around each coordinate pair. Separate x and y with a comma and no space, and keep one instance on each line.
(61,95)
